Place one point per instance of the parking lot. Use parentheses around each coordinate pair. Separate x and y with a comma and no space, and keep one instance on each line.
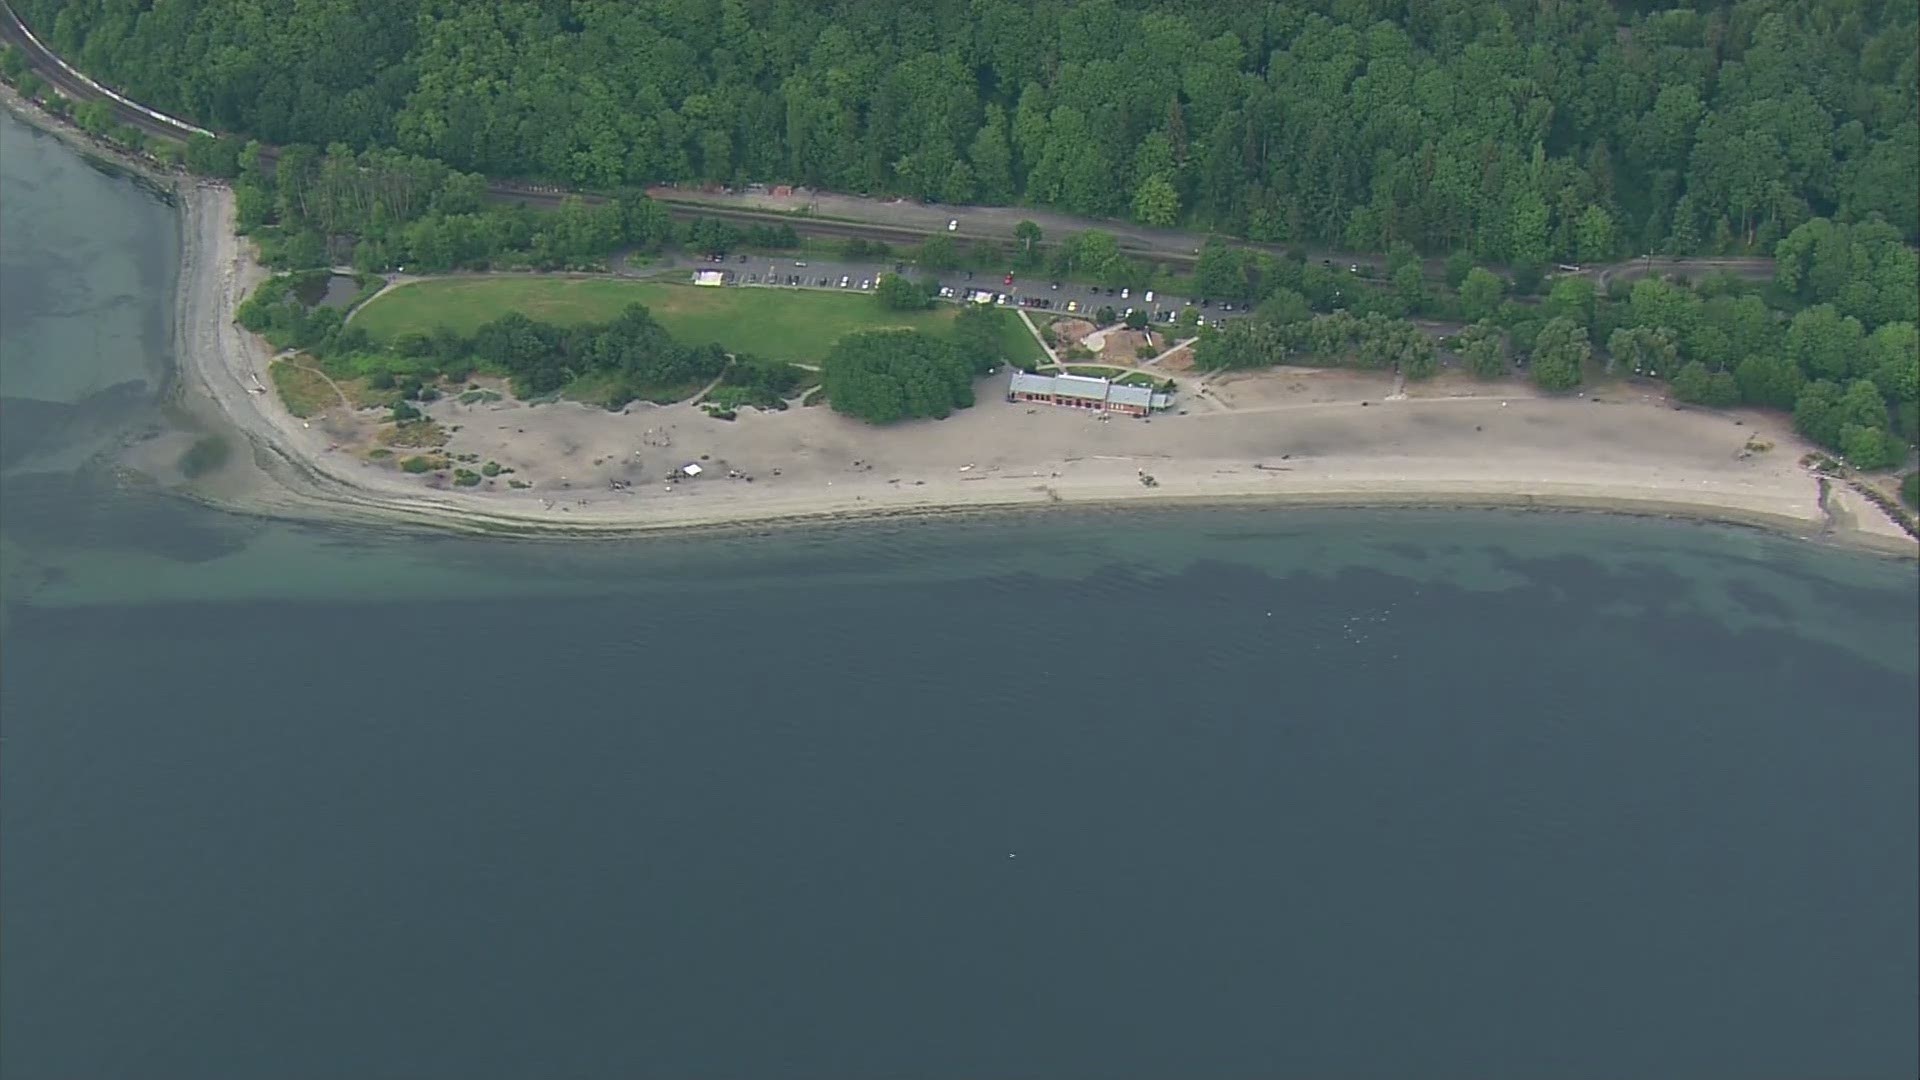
(1007,290)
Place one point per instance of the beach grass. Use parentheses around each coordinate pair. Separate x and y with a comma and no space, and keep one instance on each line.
(304,391)
(781,324)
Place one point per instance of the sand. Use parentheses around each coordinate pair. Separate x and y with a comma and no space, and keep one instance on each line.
(1295,437)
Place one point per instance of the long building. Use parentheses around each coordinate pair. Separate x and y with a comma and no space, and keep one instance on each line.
(1085,392)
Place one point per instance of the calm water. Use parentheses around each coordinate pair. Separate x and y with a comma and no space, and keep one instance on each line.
(1198,794)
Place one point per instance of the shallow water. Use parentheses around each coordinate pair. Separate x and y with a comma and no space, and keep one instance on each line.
(1135,793)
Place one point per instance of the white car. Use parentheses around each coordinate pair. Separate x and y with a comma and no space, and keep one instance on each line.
(953,224)
(843,282)
(1123,294)
(866,283)
(1148,297)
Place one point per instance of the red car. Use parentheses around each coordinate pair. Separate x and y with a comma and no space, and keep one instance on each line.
(1009,280)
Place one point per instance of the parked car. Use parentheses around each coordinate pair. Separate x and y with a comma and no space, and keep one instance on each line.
(797,262)
(1148,297)
(1124,293)
(844,280)
(952,224)
(1073,305)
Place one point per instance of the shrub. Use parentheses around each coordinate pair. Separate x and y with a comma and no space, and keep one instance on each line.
(418,464)
(465,477)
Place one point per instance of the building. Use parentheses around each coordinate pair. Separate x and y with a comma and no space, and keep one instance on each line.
(709,277)
(1084,392)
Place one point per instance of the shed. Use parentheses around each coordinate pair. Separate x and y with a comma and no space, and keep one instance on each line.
(691,469)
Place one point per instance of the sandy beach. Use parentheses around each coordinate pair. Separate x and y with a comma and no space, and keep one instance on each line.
(1293,437)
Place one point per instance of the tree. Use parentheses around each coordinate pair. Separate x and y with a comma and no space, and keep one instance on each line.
(1691,383)
(896,292)
(1559,353)
(1823,343)
(937,252)
(1766,379)
(1459,265)
(1484,347)
(882,376)
(1480,293)
(1870,447)
(1816,412)
(1095,253)
(1220,272)
(1410,287)
(1571,297)
(1648,351)
(1156,202)
(214,157)
(1027,235)
(1593,235)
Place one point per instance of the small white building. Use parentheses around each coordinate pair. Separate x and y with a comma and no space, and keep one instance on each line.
(709,277)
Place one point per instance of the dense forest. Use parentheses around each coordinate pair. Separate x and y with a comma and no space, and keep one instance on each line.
(1522,131)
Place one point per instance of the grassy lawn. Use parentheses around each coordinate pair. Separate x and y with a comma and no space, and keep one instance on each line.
(782,324)
(1093,371)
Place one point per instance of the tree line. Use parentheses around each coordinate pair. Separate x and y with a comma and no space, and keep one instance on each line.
(1832,339)
(1521,133)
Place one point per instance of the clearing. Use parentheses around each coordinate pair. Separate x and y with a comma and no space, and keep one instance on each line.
(781,324)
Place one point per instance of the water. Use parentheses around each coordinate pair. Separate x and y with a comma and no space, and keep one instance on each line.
(1141,794)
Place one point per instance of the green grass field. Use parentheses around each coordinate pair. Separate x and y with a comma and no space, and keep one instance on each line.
(782,324)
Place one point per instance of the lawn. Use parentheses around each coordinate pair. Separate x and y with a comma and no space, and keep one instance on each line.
(783,324)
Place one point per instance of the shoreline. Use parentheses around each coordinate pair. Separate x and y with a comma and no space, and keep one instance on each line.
(301,480)
(293,475)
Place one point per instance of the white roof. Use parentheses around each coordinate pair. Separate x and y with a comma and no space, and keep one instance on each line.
(691,469)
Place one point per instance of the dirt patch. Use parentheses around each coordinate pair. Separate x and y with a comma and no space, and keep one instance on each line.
(1177,360)
(1071,331)
(1122,347)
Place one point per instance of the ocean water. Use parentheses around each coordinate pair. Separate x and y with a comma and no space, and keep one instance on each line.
(1140,794)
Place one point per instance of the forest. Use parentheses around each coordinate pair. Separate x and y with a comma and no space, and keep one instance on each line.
(1520,133)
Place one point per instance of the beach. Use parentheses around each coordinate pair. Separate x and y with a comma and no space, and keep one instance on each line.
(1291,437)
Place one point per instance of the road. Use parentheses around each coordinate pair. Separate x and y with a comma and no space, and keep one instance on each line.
(893,221)
(1038,293)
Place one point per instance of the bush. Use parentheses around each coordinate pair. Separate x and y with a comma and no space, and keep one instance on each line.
(403,412)
(418,464)
(1910,489)
(466,477)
